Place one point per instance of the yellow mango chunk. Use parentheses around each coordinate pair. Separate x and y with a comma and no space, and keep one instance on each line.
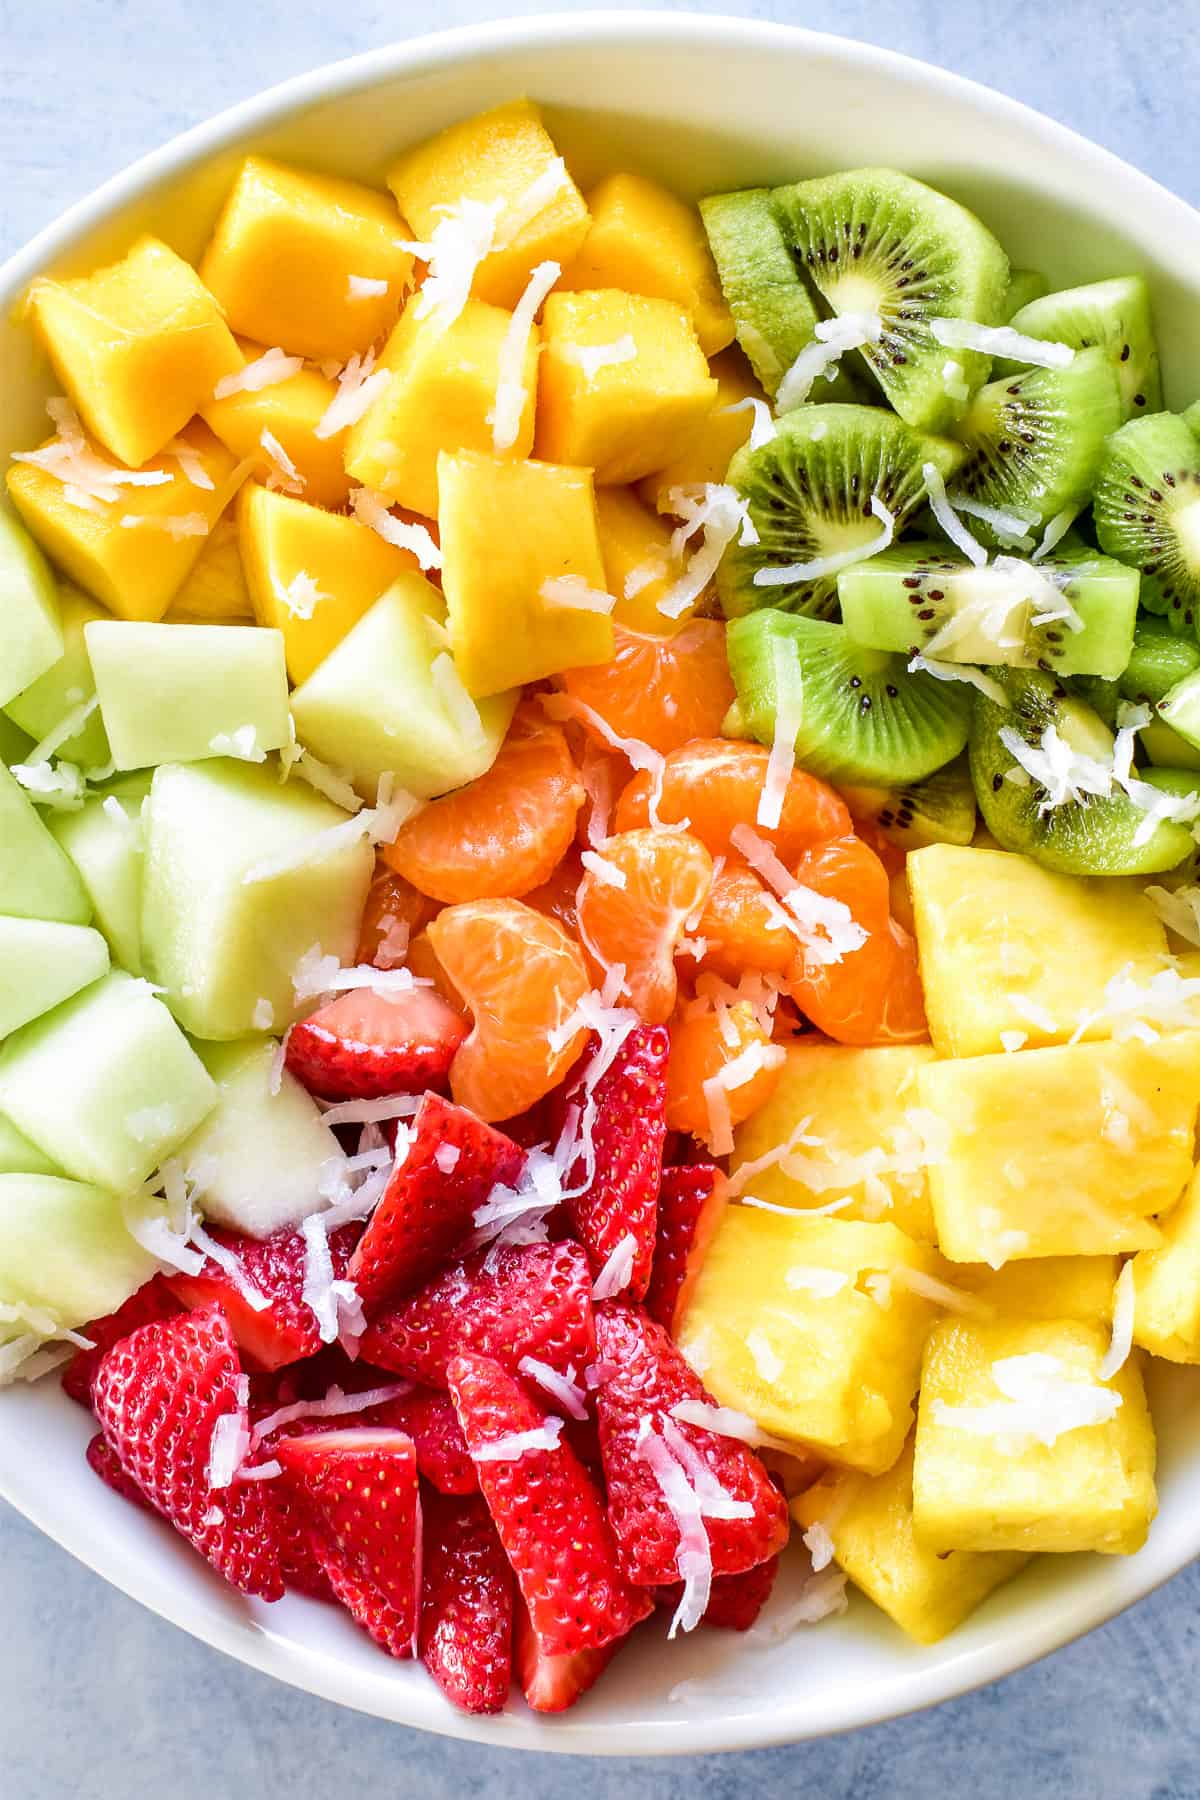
(214,588)
(297,259)
(133,553)
(647,241)
(635,542)
(441,392)
(288,411)
(507,528)
(869,1519)
(1166,1281)
(1007,946)
(1043,1287)
(1061,1152)
(782,1326)
(856,1104)
(496,156)
(707,454)
(983,1481)
(621,418)
(311,574)
(139,346)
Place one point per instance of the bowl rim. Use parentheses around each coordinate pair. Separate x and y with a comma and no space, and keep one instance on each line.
(245,1640)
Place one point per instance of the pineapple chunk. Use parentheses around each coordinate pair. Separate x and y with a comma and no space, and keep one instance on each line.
(782,1326)
(215,585)
(1043,1287)
(857,1103)
(870,1521)
(1166,1281)
(981,1482)
(709,450)
(288,411)
(1007,946)
(1062,1152)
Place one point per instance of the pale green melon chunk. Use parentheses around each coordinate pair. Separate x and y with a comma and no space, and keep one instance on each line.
(388,700)
(37,880)
(239,882)
(30,637)
(104,841)
(106,1084)
(18,1156)
(65,1249)
(257,1161)
(42,963)
(182,693)
(66,684)
(15,744)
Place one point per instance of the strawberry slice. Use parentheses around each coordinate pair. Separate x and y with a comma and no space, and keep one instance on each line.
(527,1300)
(153,1300)
(104,1463)
(429,1418)
(466,1605)
(552,1683)
(627,1135)
(364,1045)
(690,1203)
(358,1490)
(734,1601)
(158,1396)
(647,1377)
(429,1205)
(286,1328)
(548,1512)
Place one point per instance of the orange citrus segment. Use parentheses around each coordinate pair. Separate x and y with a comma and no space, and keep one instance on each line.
(633,908)
(703,1043)
(660,690)
(716,784)
(873,994)
(393,915)
(740,929)
(556,897)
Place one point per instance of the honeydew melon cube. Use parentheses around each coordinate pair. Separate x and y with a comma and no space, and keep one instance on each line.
(20,1157)
(180,693)
(107,1083)
(222,934)
(41,706)
(389,699)
(65,1248)
(15,744)
(43,962)
(104,841)
(30,634)
(37,879)
(257,1161)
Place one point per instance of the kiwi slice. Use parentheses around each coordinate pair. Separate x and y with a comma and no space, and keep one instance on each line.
(938,810)
(861,717)
(1191,418)
(1158,662)
(922,598)
(1034,441)
(810,491)
(1024,285)
(1115,315)
(1095,835)
(1147,512)
(875,241)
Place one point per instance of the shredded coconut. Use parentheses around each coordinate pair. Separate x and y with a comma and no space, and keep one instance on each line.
(316,975)
(719,513)
(782,758)
(1000,340)
(89,480)
(462,238)
(591,358)
(783,574)
(1055,532)
(825,927)
(365,287)
(559,1386)
(446,1156)
(378,824)
(1010,524)
(819,1545)
(948,519)
(358,385)
(1043,1400)
(505,417)
(605,871)
(514,1444)
(967,672)
(1013,1040)
(267,370)
(241,744)
(693,1556)
(333,1404)
(572,593)
(1179,910)
(300,595)
(617,1272)
(824,1283)
(230,1439)
(371,509)
(832,339)
(767,1360)
(1124,1302)
(762,427)
(176,525)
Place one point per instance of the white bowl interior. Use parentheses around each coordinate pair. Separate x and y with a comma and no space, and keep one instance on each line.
(701,103)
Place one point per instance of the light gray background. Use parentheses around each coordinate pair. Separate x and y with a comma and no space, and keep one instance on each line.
(99,1698)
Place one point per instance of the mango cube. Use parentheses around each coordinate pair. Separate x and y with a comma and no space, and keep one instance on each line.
(133,553)
(139,347)
(1166,1282)
(509,528)
(214,588)
(288,411)
(635,542)
(307,262)
(1044,1287)
(622,418)
(31,638)
(870,1520)
(37,880)
(40,707)
(708,453)
(441,393)
(854,1104)
(781,1325)
(497,156)
(1007,946)
(1061,1152)
(982,1477)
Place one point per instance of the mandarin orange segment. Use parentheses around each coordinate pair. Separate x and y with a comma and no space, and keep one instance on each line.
(705,1040)
(740,927)
(715,784)
(633,906)
(521,977)
(904,1020)
(506,832)
(393,915)
(660,690)
(557,897)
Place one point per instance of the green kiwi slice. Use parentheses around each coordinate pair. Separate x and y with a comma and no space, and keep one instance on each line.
(1191,418)
(1116,316)
(1024,285)
(811,491)
(938,810)
(1071,614)
(1147,512)
(1158,662)
(1034,441)
(873,241)
(1095,835)
(861,718)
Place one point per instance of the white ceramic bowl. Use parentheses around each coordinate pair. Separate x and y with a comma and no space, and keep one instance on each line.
(703,103)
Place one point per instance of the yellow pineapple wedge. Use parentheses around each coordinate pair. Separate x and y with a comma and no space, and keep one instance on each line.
(1166,1284)
(1043,1287)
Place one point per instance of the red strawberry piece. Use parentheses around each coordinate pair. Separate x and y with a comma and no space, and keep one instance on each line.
(158,1396)
(690,1203)
(302,1568)
(466,1605)
(429,1205)
(429,1418)
(734,1601)
(647,1378)
(549,1514)
(627,1135)
(153,1300)
(552,1683)
(106,1466)
(363,1045)
(529,1300)
(358,1490)
(286,1329)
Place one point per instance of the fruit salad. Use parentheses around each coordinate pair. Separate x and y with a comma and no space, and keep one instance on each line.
(599,935)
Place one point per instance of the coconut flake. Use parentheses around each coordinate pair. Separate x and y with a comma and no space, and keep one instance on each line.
(783,574)
(359,384)
(373,1112)
(825,927)
(605,871)
(1033,1012)
(641,756)
(617,1272)
(511,394)
(315,976)
(365,287)
(766,1359)
(948,519)
(832,339)
(1179,910)
(782,759)
(446,1156)
(230,1439)
(59,786)
(942,1293)
(572,594)
(1010,524)
(719,513)
(1043,1400)
(819,1544)
(267,370)
(1124,1301)
(693,1555)
(966,672)
(333,1404)
(560,1387)
(1013,1040)
(517,214)
(241,744)
(89,480)
(378,824)
(301,595)
(762,427)
(176,525)
(591,358)
(824,1283)
(334,784)
(71,722)
(726,1421)
(371,509)
(1000,340)
(1065,775)
(462,238)
(514,1444)
(1055,532)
